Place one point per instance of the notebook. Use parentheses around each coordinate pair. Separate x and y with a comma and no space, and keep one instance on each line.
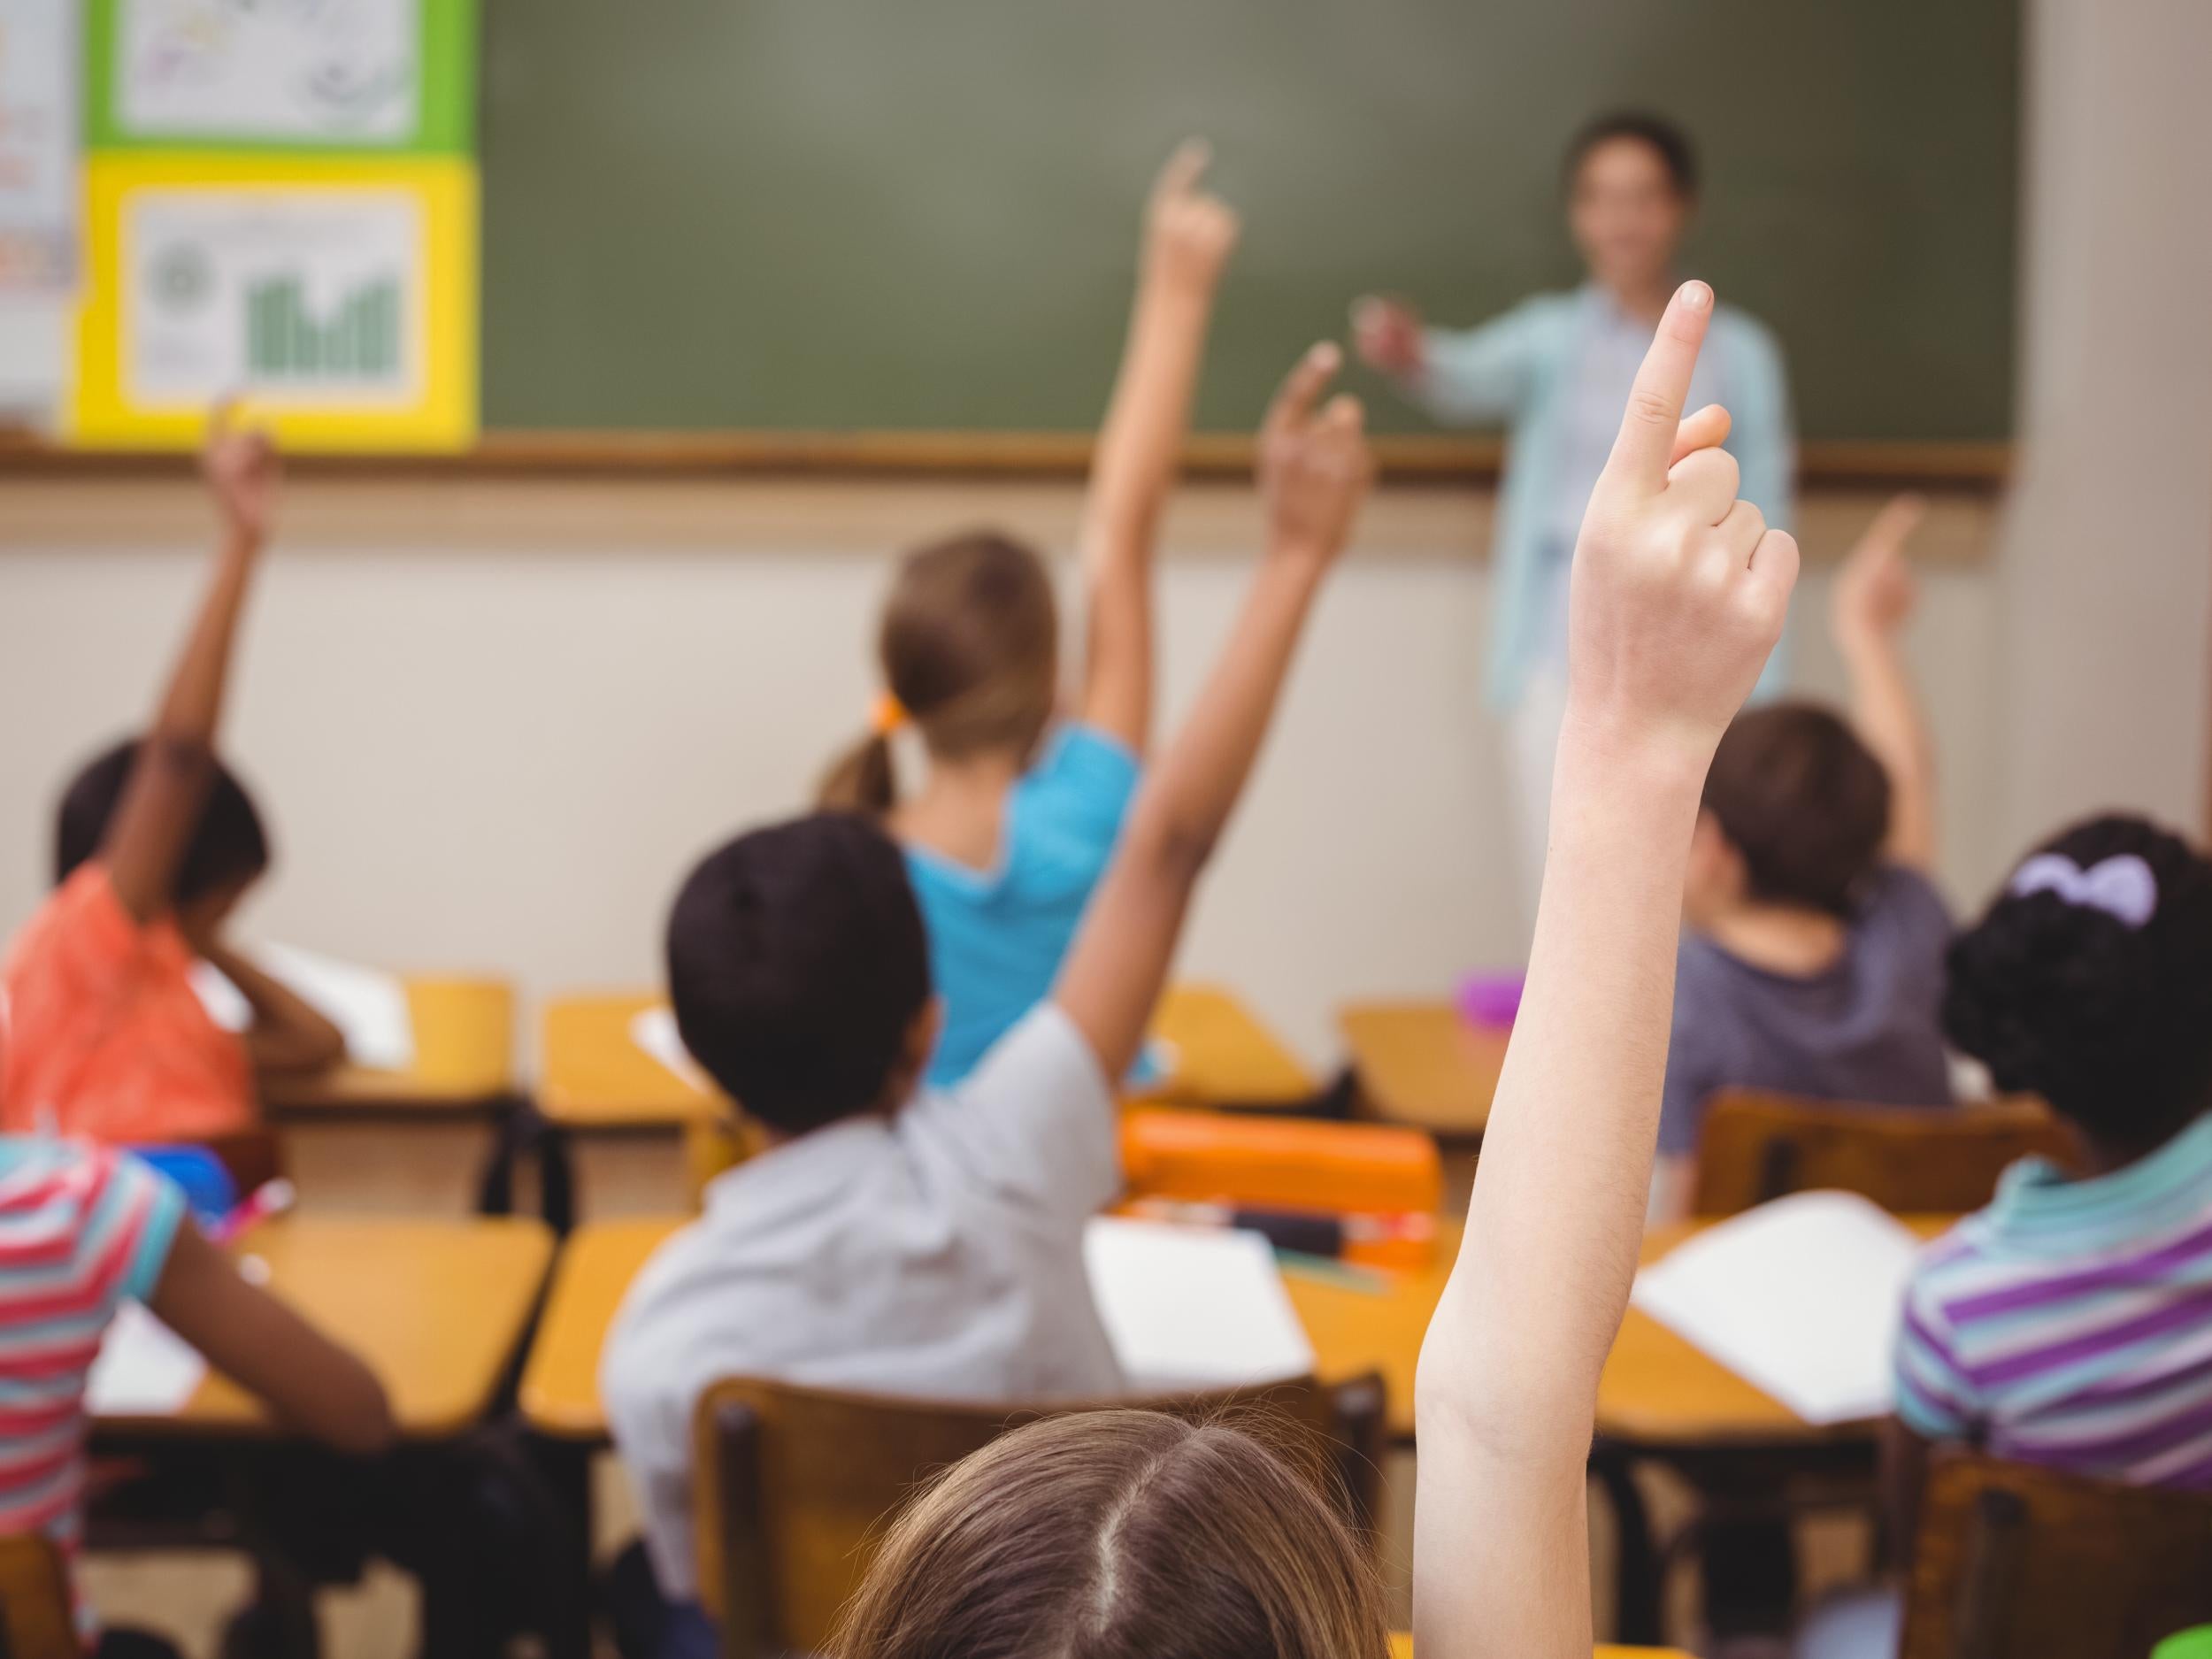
(1190,1308)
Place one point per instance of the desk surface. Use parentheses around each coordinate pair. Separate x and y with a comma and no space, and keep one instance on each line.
(1657,1390)
(463,1060)
(1223,1054)
(1421,1064)
(593,1075)
(435,1308)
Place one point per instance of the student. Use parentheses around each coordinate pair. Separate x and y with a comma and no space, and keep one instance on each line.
(1812,954)
(1123,1535)
(156,844)
(2068,1323)
(897,1238)
(1013,827)
(82,1228)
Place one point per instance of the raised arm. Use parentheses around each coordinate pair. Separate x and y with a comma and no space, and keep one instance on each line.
(1315,471)
(161,802)
(260,1344)
(1188,236)
(1875,598)
(1677,594)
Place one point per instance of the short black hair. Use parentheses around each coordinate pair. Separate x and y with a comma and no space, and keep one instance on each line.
(1670,142)
(2109,1022)
(796,962)
(1805,803)
(229,845)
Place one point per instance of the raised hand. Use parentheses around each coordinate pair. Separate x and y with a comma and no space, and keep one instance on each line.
(1876,594)
(1189,232)
(243,471)
(1679,588)
(1315,465)
(1386,333)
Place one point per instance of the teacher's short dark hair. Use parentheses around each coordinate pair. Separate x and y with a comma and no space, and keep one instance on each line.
(796,964)
(1670,143)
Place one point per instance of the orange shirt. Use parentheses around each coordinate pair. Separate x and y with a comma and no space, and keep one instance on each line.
(105,1032)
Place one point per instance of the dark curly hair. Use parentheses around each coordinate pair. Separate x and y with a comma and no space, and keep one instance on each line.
(2110,1023)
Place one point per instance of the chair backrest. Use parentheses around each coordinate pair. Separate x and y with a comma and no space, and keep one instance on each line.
(1912,1160)
(795,1483)
(36,1621)
(2017,1562)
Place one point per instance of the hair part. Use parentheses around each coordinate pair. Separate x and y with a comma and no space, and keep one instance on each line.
(969,646)
(797,966)
(1122,1534)
(1803,801)
(1666,140)
(228,845)
(2108,1022)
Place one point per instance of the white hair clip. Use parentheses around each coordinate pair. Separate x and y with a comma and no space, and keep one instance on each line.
(2121,885)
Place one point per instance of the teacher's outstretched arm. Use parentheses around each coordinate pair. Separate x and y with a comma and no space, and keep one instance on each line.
(1466,376)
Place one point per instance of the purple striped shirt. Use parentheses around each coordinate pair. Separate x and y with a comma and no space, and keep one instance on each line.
(2070,1324)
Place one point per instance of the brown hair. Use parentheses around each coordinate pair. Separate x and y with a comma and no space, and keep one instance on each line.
(970,647)
(1804,801)
(1121,1535)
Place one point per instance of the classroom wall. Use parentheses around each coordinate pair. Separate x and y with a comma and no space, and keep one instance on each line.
(2108,553)
(493,723)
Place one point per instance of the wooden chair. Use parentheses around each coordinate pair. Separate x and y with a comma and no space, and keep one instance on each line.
(36,1621)
(2016,1562)
(795,1483)
(1910,1160)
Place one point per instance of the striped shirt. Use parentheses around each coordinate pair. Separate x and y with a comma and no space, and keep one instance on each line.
(81,1227)
(2070,1324)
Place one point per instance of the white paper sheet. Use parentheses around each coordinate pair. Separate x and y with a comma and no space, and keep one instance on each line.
(1799,1297)
(144,1368)
(655,1032)
(367,1004)
(1192,1308)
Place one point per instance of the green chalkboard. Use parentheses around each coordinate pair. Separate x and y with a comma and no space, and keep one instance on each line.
(841,215)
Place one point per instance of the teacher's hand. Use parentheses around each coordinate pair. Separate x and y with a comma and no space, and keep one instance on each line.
(1387,335)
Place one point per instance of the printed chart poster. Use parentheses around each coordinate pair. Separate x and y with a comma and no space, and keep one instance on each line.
(338,301)
(328,74)
(38,147)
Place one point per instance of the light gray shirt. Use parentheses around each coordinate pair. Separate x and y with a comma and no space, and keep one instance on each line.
(937,1252)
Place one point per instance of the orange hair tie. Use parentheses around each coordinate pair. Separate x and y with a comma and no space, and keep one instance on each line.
(887,716)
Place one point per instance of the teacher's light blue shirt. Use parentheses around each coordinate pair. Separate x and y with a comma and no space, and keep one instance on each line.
(1556,370)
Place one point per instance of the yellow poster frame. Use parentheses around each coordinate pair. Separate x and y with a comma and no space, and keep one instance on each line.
(100,413)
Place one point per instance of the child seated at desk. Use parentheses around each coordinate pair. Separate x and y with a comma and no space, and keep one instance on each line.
(81,1229)
(1812,949)
(158,843)
(894,1237)
(2069,1323)
(1012,828)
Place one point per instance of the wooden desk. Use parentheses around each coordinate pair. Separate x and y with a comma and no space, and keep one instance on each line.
(464,1062)
(1420,1064)
(1224,1055)
(560,1382)
(435,1308)
(592,1075)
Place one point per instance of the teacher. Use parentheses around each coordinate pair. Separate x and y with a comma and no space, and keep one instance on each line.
(1556,370)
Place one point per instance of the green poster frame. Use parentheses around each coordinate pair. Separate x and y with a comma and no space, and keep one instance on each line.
(446,107)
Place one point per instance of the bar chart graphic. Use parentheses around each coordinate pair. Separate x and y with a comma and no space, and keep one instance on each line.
(286,339)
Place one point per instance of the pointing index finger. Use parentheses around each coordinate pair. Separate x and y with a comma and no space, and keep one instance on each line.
(1302,386)
(1645,447)
(1183,169)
